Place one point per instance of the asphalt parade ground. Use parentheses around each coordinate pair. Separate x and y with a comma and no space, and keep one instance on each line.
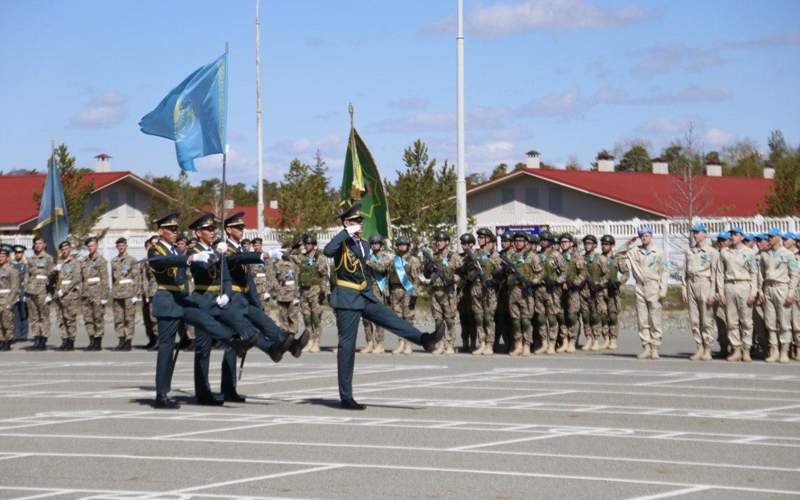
(583,425)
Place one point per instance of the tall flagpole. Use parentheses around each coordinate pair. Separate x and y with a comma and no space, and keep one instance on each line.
(461,183)
(53,193)
(224,182)
(259,121)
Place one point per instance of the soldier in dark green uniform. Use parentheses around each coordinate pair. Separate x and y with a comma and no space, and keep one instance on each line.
(20,309)
(469,331)
(548,294)
(502,319)
(352,297)
(595,283)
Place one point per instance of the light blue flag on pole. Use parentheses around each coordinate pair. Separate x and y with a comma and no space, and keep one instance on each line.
(194,114)
(52,222)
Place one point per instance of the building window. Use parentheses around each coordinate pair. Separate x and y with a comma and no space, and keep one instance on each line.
(532,198)
(507,199)
(130,201)
(556,199)
(113,203)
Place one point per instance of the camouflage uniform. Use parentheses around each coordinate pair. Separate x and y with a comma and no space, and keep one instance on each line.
(379,264)
(126,285)
(9,291)
(147,290)
(264,277)
(444,299)
(575,279)
(36,290)
(286,293)
(400,300)
(618,274)
(483,295)
(519,300)
(68,299)
(547,305)
(593,309)
(94,276)
(314,286)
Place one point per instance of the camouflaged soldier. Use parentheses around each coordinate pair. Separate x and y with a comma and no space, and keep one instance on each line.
(700,281)
(287,293)
(404,272)
(575,279)
(608,299)
(94,277)
(68,286)
(37,292)
(502,318)
(591,308)
(522,277)
(264,277)
(469,333)
(314,284)
(148,289)
(125,289)
(20,308)
(547,295)
(9,290)
(440,268)
(378,262)
(779,276)
(649,268)
(486,264)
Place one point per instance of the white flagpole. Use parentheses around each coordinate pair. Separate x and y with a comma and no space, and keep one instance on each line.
(461,183)
(259,122)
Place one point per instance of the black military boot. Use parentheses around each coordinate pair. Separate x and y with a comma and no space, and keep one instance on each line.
(299,343)
(98,343)
(152,344)
(3,345)
(63,346)
(188,345)
(43,344)
(120,345)
(70,344)
(127,345)
(90,347)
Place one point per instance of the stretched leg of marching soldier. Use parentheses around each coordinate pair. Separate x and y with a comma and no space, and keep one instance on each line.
(347,324)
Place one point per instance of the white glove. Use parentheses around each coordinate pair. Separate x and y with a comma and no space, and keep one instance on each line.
(295,302)
(267,295)
(275,254)
(57,267)
(60,293)
(201,257)
(147,300)
(103,302)
(134,300)
(48,299)
(355,228)
(222,247)
(222,300)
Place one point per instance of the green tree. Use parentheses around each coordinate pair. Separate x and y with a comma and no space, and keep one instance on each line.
(784,197)
(499,171)
(777,147)
(186,200)
(713,158)
(635,159)
(519,165)
(305,198)
(474,179)
(743,159)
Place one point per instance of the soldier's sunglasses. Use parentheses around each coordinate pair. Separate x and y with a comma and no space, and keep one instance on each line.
(358,220)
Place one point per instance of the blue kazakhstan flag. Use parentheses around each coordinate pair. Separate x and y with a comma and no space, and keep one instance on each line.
(52,222)
(194,114)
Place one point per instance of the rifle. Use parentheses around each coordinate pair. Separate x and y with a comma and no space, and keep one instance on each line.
(430,263)
(471,261)
(527,286)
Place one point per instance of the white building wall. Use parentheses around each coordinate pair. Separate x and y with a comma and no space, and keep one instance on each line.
(127,205)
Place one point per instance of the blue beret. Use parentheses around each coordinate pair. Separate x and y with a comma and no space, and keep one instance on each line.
(736,229)
(774,232)
(762,236)
(724,235)
(699,228)
(749,236)
(644,230)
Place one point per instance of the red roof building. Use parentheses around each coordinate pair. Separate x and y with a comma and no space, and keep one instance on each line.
(272,216)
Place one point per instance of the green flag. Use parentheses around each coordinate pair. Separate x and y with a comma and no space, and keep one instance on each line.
(361,181)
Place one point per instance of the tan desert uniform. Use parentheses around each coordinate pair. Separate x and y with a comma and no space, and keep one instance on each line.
(649,269)
(286,293)
(148,289)
(68,296)
(39,269)
(9,291)
(379,264)
(444,298)
(126,284)
(778,277)
(700,281)
(738,269)
(264,278)
(796,311)
(312,269)
(399,298)
(94,275)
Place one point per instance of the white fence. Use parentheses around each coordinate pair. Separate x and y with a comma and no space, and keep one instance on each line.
(669,234)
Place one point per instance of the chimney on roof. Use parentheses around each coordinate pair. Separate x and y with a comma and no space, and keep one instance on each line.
(273,204)
(713,170)
(769,173)
(605,162)
(103,162)
(660,167)
(229,205)
(533,160)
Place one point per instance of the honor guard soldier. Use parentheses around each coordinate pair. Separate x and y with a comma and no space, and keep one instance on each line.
(547,297)
(287,293)
(699,282)
(618,272)
(37,293)
(524,272)
(148,290)
(575,279)
(125,289)
(403,275)
(20,307)
(440,270)
(68,287)
(314,286)
(263,275)
(649,268)
(378,265)
(9,290)
(738,290)
(596,273)
(352,297)
(779,275)
(94,277)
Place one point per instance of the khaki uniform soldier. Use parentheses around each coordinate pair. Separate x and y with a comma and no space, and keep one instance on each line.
(9,291)
(486,264)
(738,291)
(263,276)
(20,308)
(287,294)
(378,263)
(440,269)
(94,276)
(592,308)
(148,290)
(608,301)
(792,245)
(403,272)
(524,274)
(779,273)
(547,304)
(314,284)
(68,295)
(760,334)
(126,285)
(649,268)
(699,282)
(575,279)
(40,267)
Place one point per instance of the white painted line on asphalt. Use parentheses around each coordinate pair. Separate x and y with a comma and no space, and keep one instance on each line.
(217,429)
(10,456)
(128,494)
(513,441)
(674,493)
(696,378)
(257,478)
(44,495)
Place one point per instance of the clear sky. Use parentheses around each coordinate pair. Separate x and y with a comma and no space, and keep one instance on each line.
(565,77)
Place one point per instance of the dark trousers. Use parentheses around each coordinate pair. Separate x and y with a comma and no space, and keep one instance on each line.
(20,320)
(347,321)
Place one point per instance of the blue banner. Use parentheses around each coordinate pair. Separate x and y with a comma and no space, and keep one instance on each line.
(52,223)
